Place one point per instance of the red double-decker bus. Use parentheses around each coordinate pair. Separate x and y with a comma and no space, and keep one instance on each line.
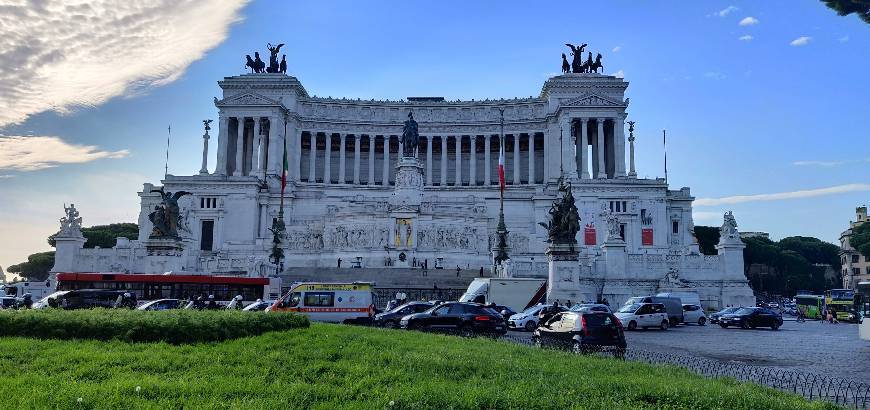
(172,286)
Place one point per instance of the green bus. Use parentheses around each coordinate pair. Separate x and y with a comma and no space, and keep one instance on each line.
(811,305)
(842,302)
(863,304)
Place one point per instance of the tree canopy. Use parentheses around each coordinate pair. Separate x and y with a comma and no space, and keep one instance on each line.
(708,237)
(36,268)
(860,238)
(847,7)
(104,235)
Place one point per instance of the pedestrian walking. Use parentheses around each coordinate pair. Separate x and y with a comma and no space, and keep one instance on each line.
(458,269)
(481,271)
(339,263)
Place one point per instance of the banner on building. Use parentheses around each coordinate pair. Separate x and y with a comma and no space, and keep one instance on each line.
(646,235)
(589,235)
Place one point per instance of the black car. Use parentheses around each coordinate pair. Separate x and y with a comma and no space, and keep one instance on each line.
(752,317)
(581,332)
(466,319)
(714,318)
(392,317)
(505,311)
(94,298)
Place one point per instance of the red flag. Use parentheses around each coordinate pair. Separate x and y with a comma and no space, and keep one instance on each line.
(286,168)
(501,165)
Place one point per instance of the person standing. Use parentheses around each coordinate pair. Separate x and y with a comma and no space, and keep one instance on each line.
(458,269)
(339,263)
(481,271)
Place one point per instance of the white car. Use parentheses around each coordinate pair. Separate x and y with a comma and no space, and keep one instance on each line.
(259,306)
(643,315)
(694,314)
(527,319)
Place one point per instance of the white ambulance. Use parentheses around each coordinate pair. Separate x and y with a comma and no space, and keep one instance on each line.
(329,302)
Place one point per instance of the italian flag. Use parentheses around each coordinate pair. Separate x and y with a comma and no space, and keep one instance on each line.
(501,166)
(286,168)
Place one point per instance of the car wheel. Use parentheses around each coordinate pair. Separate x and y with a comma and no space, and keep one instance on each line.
(664,325)
(530,326)
(632,325)
(466,331)
(744,325)
(414,326)
(576,347)
(775,326)
(702,321)
(724,326)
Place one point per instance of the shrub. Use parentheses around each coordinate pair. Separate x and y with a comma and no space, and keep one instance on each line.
(171,326)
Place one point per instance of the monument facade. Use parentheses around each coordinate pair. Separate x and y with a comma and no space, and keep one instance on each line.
(361,187)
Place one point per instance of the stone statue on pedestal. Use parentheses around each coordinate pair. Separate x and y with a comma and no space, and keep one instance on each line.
(165,216)
(273,57)
(71,223)
(577,61)
(564,219)
(410,136)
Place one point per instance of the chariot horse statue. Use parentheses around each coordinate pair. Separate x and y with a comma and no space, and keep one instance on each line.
(577,61)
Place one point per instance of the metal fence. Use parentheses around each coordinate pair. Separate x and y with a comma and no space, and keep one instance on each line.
(844,392)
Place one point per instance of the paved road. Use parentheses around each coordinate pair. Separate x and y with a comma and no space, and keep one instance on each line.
(831,350)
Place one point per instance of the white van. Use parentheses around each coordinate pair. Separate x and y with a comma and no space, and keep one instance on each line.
(516,293)
(329,302)
(687,298)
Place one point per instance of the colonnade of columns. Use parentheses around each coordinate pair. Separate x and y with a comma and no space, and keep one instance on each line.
(245,145)
(605,136)
(460,154)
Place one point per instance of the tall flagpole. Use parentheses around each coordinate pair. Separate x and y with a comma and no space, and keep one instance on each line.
(665,145)
(501,230)
(166,164)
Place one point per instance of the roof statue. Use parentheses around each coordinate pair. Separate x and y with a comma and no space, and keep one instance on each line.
(577,65)
(564,219)
(205,124)
(728,232)
(410,136)
(165,216)
(71,223)
(577,61)
(259,66)
(273,57)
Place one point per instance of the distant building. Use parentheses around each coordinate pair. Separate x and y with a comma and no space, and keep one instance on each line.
(746,235)
(856,267)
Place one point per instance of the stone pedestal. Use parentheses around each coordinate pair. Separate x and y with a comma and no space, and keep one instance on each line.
(164,246)
(615,259)
(409,183)
(66,250)
(563,272)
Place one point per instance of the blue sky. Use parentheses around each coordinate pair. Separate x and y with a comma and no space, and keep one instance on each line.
(751,108)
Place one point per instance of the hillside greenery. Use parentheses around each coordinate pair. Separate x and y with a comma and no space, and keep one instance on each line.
(860,238)
(334,366)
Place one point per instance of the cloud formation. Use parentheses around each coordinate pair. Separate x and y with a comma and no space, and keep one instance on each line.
(40,152)
(844,39)
(808,193)
(801,41)
(714,75)
(726,11)
(748,21)
(828,164)
(617,49)
(61,55)
(746,37)
(619,74)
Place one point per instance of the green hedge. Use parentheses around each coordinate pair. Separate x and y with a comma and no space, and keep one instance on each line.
(171,326)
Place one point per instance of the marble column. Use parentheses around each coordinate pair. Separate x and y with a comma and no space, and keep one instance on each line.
(531,158)
(341,159)
(327,159)
(487,165)
(204,169)
(443,160)
(240,147)
(223,145)
(472,158)
(631,173)
(312,158)
(272,158)
(619,146)
(356,157)
(255,145)
(517,158)
(602,170)
(429,161)
(386,171)
(371,179)
(569,163)
(583,146)
(457,180)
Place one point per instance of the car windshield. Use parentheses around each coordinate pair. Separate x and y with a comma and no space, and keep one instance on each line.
(744,311)
(629,308)
(728,310)
(53,295)
(398,308)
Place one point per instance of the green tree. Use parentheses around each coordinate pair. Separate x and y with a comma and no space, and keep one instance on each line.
(815,250)
(847,7)
(36,268)
(708,237)
(104,235)
(860,238)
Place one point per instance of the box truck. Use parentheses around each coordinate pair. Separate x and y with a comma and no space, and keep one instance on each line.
(515,293)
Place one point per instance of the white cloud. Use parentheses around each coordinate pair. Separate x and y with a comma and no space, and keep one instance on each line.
(39,152)
(617,49)
(844,39)
(801,41)
(726,11)
(714,75)
(746,37)
(748,21)
(619,74)
(57,55)
(828,164)
(6,176)
(708,216)
(808,193)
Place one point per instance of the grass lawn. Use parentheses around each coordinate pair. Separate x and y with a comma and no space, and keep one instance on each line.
(334,366)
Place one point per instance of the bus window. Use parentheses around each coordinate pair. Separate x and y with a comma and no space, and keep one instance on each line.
(319,298)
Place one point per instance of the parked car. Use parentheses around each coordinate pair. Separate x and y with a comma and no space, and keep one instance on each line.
(590,307)
(581,331)
(749,317)
(468,319)
(258,306)
(673,306)
(50,301)
(391,318)
(714,318)
(162,304)
(505,311)
(694,314)
(773,305)
(644,316)
(94,298)
(549,311)
(526,320)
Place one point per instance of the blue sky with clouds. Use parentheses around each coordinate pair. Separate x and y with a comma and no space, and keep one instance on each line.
(764,102)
